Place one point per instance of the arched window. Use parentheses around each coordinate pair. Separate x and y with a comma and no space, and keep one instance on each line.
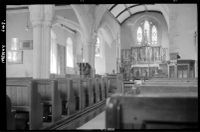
(154,35)
(97,47)
(70,57)
(53,65)
(147,33)
(139,35)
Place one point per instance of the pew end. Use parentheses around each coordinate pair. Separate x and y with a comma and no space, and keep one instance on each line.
(25,99)
(50,97)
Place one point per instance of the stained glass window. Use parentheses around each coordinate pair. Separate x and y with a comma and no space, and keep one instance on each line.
(139,35)
(97,47)
(146,31)
(154,35)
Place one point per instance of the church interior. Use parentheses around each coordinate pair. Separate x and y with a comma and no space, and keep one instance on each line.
(101,66)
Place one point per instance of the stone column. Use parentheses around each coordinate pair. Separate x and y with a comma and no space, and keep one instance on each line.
(91,53)
(41,17)
(196,68)
(196,61)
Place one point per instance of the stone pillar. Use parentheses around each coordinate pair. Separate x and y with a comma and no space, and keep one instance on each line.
(91,56)
(89,52)
(196,59)
(41,17)
(196,68)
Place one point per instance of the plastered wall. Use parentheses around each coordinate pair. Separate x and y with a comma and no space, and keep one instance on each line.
(183,24)
(109,30)
(15,28)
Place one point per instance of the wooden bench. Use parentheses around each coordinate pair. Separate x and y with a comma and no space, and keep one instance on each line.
(152,112)
(96,89)
(86,89)
(66,93)
(10,115)
(91,92)
(78,95)
(105,87)
(26,101)
(116,83)
(100,88)
(50,96)
(168,89)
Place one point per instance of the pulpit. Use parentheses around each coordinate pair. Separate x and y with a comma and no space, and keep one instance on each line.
(84,69)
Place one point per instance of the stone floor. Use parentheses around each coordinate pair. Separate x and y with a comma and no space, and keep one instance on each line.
(96,123)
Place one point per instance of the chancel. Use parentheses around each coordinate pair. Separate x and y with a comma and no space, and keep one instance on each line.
(101,66)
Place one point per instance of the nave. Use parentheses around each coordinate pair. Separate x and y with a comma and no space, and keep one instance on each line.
(101,66)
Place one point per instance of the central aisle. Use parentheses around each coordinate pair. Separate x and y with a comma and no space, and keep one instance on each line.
(97,123)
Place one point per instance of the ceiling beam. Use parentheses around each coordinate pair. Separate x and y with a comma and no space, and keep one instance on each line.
(112,7)
(138,13)
(127,9)
(25,8)
(113,17)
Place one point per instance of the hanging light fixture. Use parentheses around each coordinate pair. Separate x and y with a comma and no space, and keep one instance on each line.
(27,23)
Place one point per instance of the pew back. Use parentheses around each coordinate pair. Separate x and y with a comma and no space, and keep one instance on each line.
(85,88)
(96,89)
(10,115)
(90,91)
(116,83)
(66,93)
(25,97)
(168,89)
(76,83)
(100,88)
(143,112)
(48,90)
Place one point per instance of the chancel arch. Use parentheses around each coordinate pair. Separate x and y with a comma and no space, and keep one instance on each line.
(148,44)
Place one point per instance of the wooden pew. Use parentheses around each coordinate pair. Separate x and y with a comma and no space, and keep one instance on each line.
(78,95)
(104,83)
(103,88)
(66,93)
(50,96)
(100,88)
(169,86)
(108,87)
(152,112)
(168,89)
(90,91)
(10,115)
(96,87)
(94,91)
(86,89)
(116,83)
(26,101)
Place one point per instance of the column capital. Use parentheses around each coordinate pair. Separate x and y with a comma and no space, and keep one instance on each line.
(41,14)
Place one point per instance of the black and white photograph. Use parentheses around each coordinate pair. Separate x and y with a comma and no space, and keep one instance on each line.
(101,66)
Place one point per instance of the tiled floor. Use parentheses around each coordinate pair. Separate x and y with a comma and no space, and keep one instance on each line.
(96,123)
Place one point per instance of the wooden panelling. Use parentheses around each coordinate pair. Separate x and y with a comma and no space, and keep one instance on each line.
(10,115)
(66,93)
(132,112)
(48,90)
(25,97)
